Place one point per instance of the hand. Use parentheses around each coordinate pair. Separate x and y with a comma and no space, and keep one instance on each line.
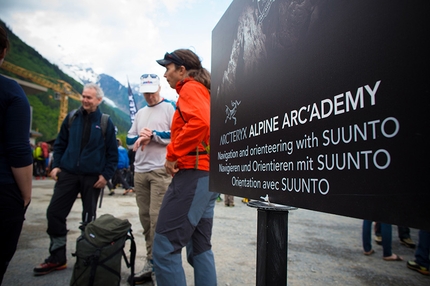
(171,167)
(145,132)
(27,202)
(101,182)
(141,142)
(54,173)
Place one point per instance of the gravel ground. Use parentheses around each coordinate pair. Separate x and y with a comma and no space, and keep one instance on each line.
(323,249)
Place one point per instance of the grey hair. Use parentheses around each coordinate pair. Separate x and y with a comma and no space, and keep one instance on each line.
(99,91)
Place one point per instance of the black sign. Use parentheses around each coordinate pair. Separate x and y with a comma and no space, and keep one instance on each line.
(324,105)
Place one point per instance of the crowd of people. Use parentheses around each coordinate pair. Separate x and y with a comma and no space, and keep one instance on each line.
(169,144)
(169,163)
(123,173)
(42,159)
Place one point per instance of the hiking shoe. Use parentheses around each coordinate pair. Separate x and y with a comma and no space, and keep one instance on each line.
(415,266)
(128,191)
(141,279)
(111,193)
(144,275)
(407,242)
(378,239)
(47,267)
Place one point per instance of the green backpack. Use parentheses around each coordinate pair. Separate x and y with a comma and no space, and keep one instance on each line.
(99,251)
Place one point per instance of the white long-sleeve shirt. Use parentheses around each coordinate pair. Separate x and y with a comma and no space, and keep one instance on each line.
(158,118)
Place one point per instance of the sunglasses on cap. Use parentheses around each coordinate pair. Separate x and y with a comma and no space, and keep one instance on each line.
(172,58)
(149,75)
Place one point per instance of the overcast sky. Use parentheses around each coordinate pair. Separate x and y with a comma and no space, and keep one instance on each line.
(121,38)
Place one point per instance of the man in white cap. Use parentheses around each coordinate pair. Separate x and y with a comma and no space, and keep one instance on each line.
(148,136)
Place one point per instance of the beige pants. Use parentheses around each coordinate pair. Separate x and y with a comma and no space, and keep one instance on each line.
(150,188)
(228,200)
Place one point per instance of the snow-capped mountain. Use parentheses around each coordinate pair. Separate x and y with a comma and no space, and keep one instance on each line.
(116,95)
(84,75)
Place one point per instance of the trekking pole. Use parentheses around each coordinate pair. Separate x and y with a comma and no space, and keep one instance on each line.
(101,197)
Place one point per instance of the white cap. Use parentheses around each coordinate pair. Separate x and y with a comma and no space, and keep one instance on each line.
(149,83)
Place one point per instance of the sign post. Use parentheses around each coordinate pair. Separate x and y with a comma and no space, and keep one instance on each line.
(272,243)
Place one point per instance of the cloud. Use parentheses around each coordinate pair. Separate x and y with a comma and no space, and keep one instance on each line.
(120,38)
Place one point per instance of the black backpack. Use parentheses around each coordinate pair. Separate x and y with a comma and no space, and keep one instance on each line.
(99,251)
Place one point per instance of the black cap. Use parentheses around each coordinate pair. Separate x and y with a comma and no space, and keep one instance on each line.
(172,58)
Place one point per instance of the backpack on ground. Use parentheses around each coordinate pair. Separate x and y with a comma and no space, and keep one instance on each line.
(99,251)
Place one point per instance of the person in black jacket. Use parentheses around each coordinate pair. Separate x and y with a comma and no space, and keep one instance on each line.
(16,161)
(84,160)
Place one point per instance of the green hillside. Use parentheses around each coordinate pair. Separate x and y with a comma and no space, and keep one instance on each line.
(45,107)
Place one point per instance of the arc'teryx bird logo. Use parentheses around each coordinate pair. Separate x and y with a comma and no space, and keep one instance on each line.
(231,112)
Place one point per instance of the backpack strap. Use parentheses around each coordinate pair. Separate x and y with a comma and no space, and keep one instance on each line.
(72,116)
(94,261)
(133,251)
(180,113)
(103,123)
(196,153)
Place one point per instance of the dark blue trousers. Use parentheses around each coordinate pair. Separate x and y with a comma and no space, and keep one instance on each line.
(422,254)
(386,232)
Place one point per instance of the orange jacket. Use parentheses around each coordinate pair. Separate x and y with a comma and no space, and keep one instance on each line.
(190,126)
